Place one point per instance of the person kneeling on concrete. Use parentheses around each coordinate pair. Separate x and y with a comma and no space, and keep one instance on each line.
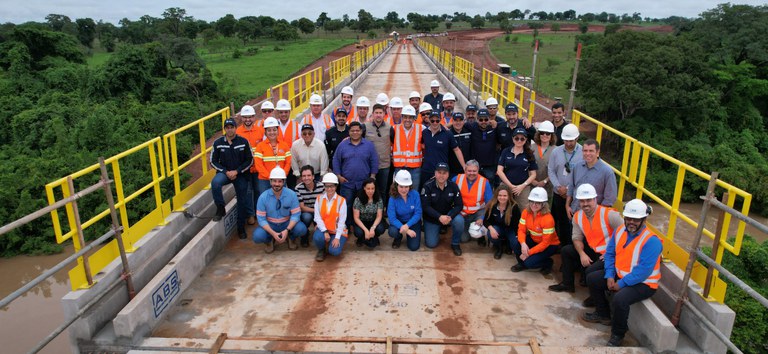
(277,213)
(632,273)
(369,215)
(330,218)
(442,204)
(404,212)
(536,240)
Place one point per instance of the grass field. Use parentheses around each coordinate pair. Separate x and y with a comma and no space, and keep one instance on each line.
(554,63)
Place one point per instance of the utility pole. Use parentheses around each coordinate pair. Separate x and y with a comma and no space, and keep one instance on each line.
(569,109)
(533,70)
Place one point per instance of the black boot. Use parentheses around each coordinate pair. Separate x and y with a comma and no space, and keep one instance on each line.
(498,251)
(220,212)
(481,242)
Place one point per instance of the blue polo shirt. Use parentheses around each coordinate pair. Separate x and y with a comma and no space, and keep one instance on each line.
(516,167)
(504,134)
(437,148)
(483,144)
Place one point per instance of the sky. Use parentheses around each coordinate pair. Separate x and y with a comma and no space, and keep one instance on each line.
(112,11)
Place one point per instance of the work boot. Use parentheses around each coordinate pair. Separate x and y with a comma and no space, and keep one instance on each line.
(292,245)
(497,251)
(517,268)
(588,302)
(359,242)
(546,270)
(615,340)
(320,256)
(594,317)
(456,250)
(558,288)
(481,241)
(304,241)
(220,212)
(396,243)
(251,220)
(270,246)
(241,234)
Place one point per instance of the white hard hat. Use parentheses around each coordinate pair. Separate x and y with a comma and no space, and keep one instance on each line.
(382,99)
(363,101)
(396,102)
(434,83)
(315,99)
(283,105)
(403,178)
(346,90)
(267,105)
(247,110)
(547,127)
(449,97)
(277,173)
(409,111)
(636,209)
(538,194)
(570,132)
(477,231)
(330,178)
(586,191)
(414,94)
(423,107)
(271,122)
(491,102)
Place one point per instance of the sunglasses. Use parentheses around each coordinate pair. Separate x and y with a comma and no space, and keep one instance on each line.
(568,168)
(434,121)
(519,138)
(308,133)
(267,110)
(482,119)
(458,119)
(425,113)
(544,133)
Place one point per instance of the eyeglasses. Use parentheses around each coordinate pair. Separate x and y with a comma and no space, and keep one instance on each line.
(308,133)
(544,133)
(519,138)
(454,118)
(434,121)
(425,113)
(482,119)
(267,110)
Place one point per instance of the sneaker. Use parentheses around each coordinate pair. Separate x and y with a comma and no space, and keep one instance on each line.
(320,256)
(517,268)
(456,250)
(396,243)
(292,245)
(481,241)
(588,302)
(270,247)
(497,252)
(304,241)
(559,288)
(615,341)
(220,212)
(594,317)
(251,220)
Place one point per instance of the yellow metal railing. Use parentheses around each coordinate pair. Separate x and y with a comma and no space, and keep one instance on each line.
(297,90)
(461,68)
(634,171)
(505,90)
(340,69)
(132,232)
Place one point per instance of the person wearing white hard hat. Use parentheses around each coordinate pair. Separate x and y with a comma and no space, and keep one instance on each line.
(231,157)
(270,153)
(492,105)
(434,98)
(254,134)
(368,214)
(561,162)
(331,219)
(446,113)
(542,146)
(346,103)
(383,100)
(414,99)
(593,170)
(278,214)
(593,226)
(363,107)
(309,150)
(476,193)
(558,121)
(289,129)
(354,161)
(404,212)
(500,215)
(335,135)
(536,239)
(632,272)
(396,111)
(406,147)
(267,110)
(321,121)
(424,111)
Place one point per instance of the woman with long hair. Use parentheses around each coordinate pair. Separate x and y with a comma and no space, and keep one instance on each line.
(543,143)
(404,212)
(368,214)
(517,167)
(499,216)
(536,240)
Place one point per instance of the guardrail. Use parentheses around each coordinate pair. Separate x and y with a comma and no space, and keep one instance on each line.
(298,89)
(505,90)
(340,69)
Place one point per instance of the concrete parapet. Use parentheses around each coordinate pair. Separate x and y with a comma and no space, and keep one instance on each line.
(652,328)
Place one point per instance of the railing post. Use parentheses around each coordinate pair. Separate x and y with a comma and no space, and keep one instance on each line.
(117,229)
(715,247)
(79,229)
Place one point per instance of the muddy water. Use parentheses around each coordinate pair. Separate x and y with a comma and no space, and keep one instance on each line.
(30,318)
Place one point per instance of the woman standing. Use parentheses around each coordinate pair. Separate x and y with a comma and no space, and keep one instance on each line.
(270,153)
(517,167)
(536,240)
(499,215)
(368,214)
(544,142)
(404,212)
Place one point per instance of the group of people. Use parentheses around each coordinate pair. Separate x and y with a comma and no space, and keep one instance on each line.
(524,190)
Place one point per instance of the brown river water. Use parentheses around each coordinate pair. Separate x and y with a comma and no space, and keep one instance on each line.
(32,317)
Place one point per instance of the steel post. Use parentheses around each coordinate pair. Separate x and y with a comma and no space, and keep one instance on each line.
(79,229)
(117,229)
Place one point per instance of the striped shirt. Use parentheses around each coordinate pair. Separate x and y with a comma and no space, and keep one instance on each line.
(308,197)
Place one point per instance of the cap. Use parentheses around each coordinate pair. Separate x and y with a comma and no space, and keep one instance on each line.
(248,110)
(458,116)
(307,126)
(341,110)
(434,114)
(471,108)
(315,99)
(277,173)
(570,132)
(510,108)
(476,230)
(346,90)
(449,97)
(271,122)
(434,83)
(230,121)
(363,101)
(538,194)
(442,166)
(586,191)
(414,94)
(519,131)
(331,178)
(396,102)
(409,111)
(482,112)
(636,209)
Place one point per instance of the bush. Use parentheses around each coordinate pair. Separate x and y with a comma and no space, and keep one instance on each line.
(236,54)
(506,38)
(252,50)
(371,34)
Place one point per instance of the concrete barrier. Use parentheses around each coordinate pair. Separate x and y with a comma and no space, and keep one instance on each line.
(652,328)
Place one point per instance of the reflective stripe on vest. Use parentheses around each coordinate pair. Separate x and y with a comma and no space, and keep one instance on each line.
(628,257)
(406,152)
(472,198)
(596,237)
(330,214)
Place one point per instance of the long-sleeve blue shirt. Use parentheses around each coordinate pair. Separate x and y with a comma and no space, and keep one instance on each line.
(401,211)
(356,163)
(648,256)
(270,209)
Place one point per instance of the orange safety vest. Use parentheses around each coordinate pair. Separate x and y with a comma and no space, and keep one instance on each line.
(350,112)
(254,136)
(444,121)
(326,119)
(267,158)
(291,134)
(472,198)
(541,228)
(628,256)
(599,231)
(406,151)
(330,214)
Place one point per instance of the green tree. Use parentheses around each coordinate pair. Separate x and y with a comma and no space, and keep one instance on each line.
(208,35)
(226,25)
(322,20)
(306,25)
(583,27)
(555,27)
(334,25)
(173,17)
(364,21)
(612,28)
(477,22)
(86,31)
(284,32)
(731,33)
(505,25)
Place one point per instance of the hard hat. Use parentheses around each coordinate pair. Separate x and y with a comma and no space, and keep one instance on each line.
(636,209)
(271,122)
(538,194)
(570,132)
(414,94)
(491,102)
(409,111)
(346,90)
(403,178)
(283,105)
(477,231)
(547,127)
(586,191)
(363,101)
(330,178)
(511,107)
(396,102)
(247,110)
(277,173)
(449,97)
(434,83)
(267,105)
(382,99)
(423,107)
(315,99)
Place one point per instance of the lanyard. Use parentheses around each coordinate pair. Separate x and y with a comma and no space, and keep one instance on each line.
(541,154)
(565,156)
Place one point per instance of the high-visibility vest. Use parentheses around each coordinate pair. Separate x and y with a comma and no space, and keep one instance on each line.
(599,231)
(350,112)
(472,197)
(406,151)
(446,119)
(267,158)
(254,136)
(291,134)
(330,213)
(326,120)
(628,257)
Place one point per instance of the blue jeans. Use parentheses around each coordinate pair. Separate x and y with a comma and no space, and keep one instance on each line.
(538,260)
(489,172)
(241,191)
(382,183)
(468,220)
(307,218)
(502,237)
(415,177)
(319,239)
(349,194)
(432,232)
(413,243)
(261,186)
(380,229)
(261,236)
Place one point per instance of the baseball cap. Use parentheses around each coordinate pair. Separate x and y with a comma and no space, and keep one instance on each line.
(341,110)
(231,122)
(471,108)
(510,108)
(442,166)
(483,113)
(458,116)
(307,126)
(518,131)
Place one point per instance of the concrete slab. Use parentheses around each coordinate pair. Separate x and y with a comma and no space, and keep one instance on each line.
(652,328)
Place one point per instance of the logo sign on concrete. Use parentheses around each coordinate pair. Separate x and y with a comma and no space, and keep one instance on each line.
(164,294)
(230,221)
